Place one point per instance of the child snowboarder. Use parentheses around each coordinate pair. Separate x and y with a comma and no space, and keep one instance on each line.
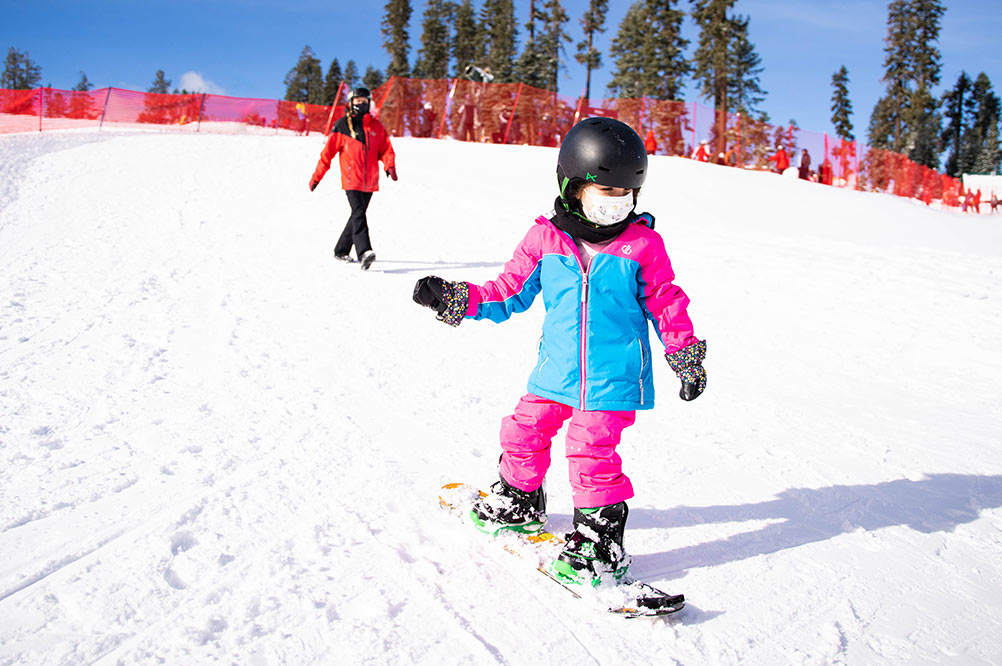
(603,272)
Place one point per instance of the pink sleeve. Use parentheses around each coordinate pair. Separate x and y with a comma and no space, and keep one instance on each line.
(664,301)
(514,289)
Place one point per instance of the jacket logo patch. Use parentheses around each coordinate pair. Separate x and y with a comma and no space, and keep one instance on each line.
(627,249)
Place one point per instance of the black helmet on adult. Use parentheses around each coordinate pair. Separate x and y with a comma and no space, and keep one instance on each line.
(360,91)
(603,151)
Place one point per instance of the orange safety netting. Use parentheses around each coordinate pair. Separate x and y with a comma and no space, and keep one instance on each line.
(510,113)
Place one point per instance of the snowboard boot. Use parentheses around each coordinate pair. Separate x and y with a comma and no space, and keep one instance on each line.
(343,258)
(508,508)
(594,551)
(366,259)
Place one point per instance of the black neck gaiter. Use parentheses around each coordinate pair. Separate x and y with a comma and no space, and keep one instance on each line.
(578,227)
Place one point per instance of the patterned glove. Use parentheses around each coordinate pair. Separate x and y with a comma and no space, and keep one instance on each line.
(448,299)
(688,365)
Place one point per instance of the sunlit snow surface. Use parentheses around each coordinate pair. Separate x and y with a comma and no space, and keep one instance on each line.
(217,445)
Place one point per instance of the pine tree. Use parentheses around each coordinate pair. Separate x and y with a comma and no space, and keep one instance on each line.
(744,92)
(841,105)
(332,82)
(161,84)
(433,56)
(396,39)
(628,54)
(466,44)
(83,85)
(592,23)
(530,68)
(904,119)
(373,78)
(499,35)
(990,157)
(305,81)
(351,74)
(20,72)
(552,42)
(955,103)
(713,55)
(981,116)
(648,50)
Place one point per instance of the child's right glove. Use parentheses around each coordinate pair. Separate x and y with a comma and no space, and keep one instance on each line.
(448,299)
(688,365)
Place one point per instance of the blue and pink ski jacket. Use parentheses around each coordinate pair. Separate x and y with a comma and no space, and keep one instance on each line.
(595,352)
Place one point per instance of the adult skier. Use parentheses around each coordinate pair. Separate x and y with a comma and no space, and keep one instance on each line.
(603,273)
(362,142)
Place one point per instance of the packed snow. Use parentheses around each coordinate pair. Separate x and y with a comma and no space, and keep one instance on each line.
(219,445)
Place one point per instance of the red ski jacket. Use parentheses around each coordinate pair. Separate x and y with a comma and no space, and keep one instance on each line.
(359,155)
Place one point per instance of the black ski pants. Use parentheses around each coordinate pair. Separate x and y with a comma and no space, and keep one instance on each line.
(356,232)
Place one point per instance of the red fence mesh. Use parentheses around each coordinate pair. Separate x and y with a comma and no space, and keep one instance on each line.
(510,113)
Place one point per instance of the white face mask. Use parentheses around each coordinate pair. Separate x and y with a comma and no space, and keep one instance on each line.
(606,211)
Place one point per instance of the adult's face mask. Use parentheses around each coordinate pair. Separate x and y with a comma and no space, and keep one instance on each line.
(605,211)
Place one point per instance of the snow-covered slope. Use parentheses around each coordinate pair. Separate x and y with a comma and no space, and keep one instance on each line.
(218,445)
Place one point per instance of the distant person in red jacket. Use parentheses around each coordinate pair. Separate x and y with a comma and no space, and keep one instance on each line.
(781,159)
(976,202)
(825,174)
(650,143)
(702,153)
(361,142)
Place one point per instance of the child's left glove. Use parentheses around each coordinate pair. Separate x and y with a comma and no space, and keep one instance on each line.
(688,365)
(448,299)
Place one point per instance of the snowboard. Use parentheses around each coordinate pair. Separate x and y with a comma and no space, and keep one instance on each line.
(639,599)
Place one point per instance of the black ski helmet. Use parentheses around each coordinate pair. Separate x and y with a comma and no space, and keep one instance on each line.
(603,151)
(360,91)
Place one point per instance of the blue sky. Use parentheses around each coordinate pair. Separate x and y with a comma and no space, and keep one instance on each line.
(244,48)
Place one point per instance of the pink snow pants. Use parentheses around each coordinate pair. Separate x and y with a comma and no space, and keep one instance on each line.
(596,470)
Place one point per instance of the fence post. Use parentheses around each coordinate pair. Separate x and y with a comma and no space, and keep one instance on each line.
(330,117)
(445,111)
(693,128)
(643,107)
(201,109)
(41,107)
(514,108)
(105,109)
(739,161)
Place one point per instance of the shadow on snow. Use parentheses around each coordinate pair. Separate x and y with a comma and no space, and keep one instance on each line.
(937,503)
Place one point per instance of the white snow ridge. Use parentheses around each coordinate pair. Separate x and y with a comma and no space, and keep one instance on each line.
(217,445)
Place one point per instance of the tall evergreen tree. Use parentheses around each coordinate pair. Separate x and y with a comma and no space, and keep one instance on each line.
(83,85)
(956,104)
(718,35)
(466,44)
(990,157)
(744,91)
(906,117)
(592,23)
(373,78)
(499,35)
(841,105)
(351,78)
(161,84)
(396,38)
(332,82)
(20,72)
(552,41)
(305,81)
(531,68)
(433,57)
(982,115)
(650,61)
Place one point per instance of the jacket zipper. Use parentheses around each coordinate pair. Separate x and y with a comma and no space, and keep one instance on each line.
(643,362)
(584,329)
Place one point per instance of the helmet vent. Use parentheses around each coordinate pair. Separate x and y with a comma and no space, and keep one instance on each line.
(640,172)
(602,168)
